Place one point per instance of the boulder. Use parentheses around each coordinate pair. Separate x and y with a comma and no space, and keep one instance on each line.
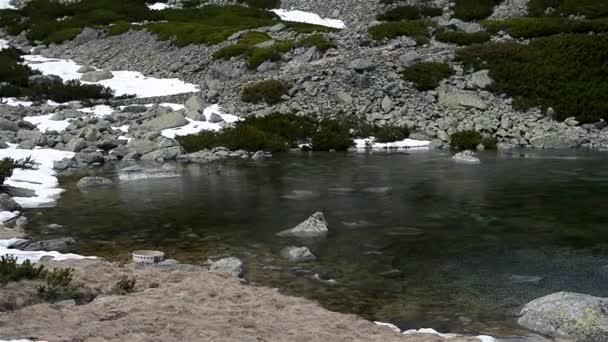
(134,109)
(409,58)
(85,69)
(553,140)
(362,65)
(345,97)
(215,118)
(8,204)
(453,97)
(314,226)
(93,182)
(232,266)
(8,125)
(96,76)
(200,157)
(168,120)
(466,157)
(297,254)
(63,245)
(480,80)
(24,134)
(567,315)
(259,155)
(88,34)
(387,104)
(196,104)
(167,153)
(465,26)
(89,157)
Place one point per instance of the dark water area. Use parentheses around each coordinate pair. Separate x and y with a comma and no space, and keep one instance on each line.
(415,238)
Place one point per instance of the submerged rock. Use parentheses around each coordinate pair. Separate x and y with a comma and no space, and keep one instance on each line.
(314,226)
(93,182)
(231,265)
(63,245)
(466,157)
(571,316)
(8,204)
(297,254)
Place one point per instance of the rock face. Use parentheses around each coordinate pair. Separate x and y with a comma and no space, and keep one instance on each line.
(93,182)
(8,204)
(571,316)
(96,76)
(466,157)
(232,266)
(297,254)
(314,226)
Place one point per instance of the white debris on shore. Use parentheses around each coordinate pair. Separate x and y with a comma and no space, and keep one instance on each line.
(33,256)
(194,126)
(371,144)
(308,18)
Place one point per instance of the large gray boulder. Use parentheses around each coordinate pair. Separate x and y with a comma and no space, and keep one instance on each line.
(467,156)
(169,120)
(297,254)
(166,153)
(8,204)
(96,76)
(200,157)
(362,64)
(8,125)
(195,106)
(232,266)
(314,226)
(93,182)
(554,140)
(571,316)
(63,245)
(88,34)
(453,97)
(480,79)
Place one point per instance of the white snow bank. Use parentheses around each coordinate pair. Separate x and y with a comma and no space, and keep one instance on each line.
(42,180)
(44,123)
(3,43)
(123,82)
(308,18)
(158,6)
(4,4)
(482,338)
(370,143)
(13,102)
(8,215)
(99,111)
(34,256)
(194,126)
(389,325)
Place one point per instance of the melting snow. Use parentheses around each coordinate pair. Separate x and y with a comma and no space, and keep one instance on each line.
(10,101)
(8,215)
(99,111)
(159,6)
(42,180)
(34,255)
(370,143)
(44,123)
(123,82)
(194,126)
(308,18)
(5,4)
(3,44)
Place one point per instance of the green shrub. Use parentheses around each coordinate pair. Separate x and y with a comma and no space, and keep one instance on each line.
(257,56)
(489,143)
(427,75)
(409,13)
(465,140)
(416,29)
(71,90)
(474,9)
(124,285)
(119,28)
(588,8)
(317,40)
(192,3)
(11,271)
(290,127)
(332,135)
(268,4)
(463,38)
(540,27)
(8,165)
(241,136)
(566,72)
(269,91)
(57,286)
(385,134)
(308,28)
(243,46)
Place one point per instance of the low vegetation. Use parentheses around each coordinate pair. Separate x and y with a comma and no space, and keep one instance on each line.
(416,29)
(124,285)
(527,27)
(462,38)
(566,72)
(427,75)
(267,4)
(19,80)
(268,91)
(8,165)
(274,53)
(279,132)
(470,10)
(11,271)
(588,8)
(243,46)
(409,13)
(57,286)
(489,143)
(317,40)
(465,140)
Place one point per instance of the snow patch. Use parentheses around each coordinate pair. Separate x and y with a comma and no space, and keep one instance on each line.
(98,111)
(391,326)
(42,180)
(5,4)
(44,123)
(8,215)
(194,126)
(370,143)
(3,44)
(308,18)
(13,102)
(482,338)
(34,256)
(123,82)
(158,6)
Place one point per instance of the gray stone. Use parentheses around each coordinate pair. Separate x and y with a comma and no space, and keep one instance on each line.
(453,97)
(465,26)
(23,134)
(409,58)
(345,97)
(232,266)
(308,56)
(195,103)
(387,104)
(277,28)
(85,69)
(96,76)
(567,315)
(168,153)
(259,155)
(200,157)
(169,120)
(8,125)
(93,182)
(90,157)
(266,44)
(554,140)
(314,226)
(467,156)
(480,79)
(8,204)
(297,254)
(266,66)
(362,64)
(88,34)
(63,245)
(76,145)
(215,118)
(134,109)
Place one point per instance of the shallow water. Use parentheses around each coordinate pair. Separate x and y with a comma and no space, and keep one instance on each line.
(472,243)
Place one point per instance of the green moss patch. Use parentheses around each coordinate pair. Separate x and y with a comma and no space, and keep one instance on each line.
(541,27)
(409,13)
(427,75)
(465,140)
(268,91)
(470,10)
(416,29)
(462,38)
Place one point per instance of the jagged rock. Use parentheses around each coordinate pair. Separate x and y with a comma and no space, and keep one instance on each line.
(23,134)
(308,56)
(168,153)
(93,182)
(96,76)
(232,266)
(567,315)
(480,79)
(89,157)
(195,103)
(88,34)
(169,120)
(453,97)
(345,97)
(465,26)
(466,157)
(314,226)
(215,118)
(362,64)
(8,125)
(76,145)
(297,254)
(8,204)
(387,104)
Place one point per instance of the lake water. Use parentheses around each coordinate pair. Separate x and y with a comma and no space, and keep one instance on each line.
(464,245)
